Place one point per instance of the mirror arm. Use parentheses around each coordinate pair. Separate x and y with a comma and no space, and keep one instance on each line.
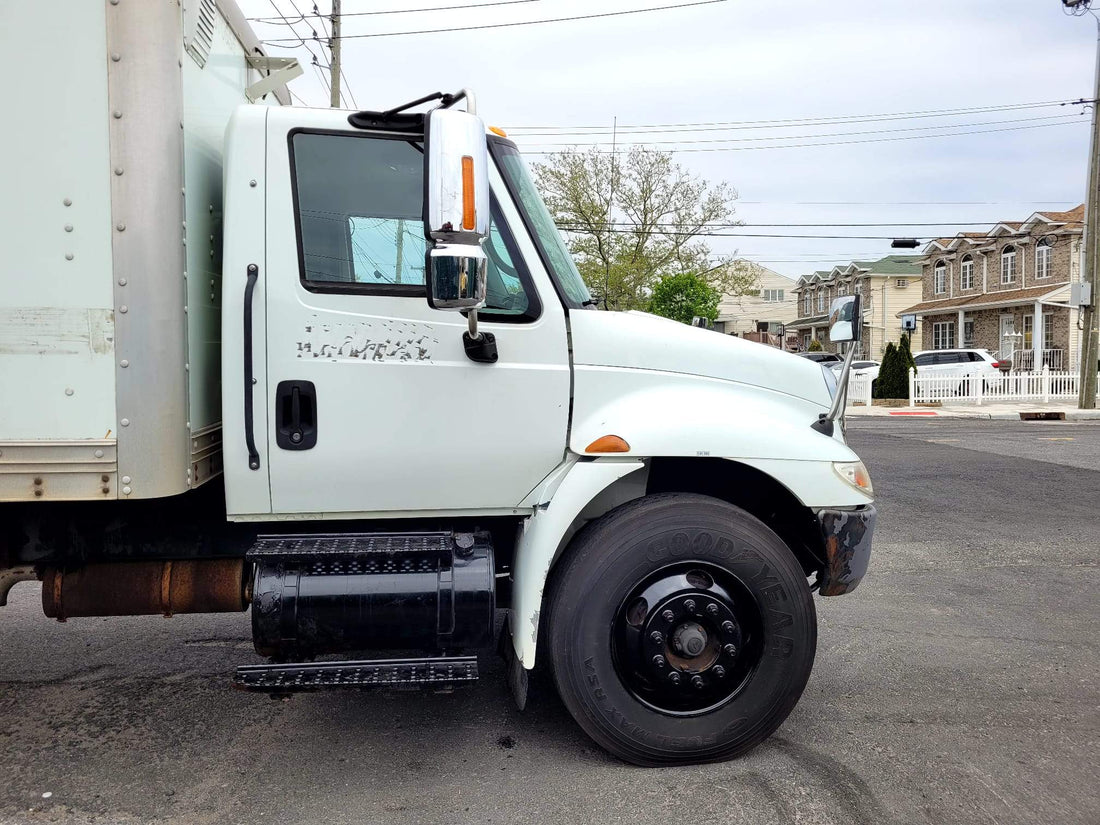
(837,409)
(471,319)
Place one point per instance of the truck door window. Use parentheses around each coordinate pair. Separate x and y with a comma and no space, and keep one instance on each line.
(359,211)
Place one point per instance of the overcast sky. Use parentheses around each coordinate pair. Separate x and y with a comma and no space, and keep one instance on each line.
(752,60)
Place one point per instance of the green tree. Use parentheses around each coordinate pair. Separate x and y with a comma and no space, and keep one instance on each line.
(684,296)
(631,218)
(893,373)
(815,346)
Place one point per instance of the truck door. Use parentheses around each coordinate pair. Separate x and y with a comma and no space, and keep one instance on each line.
(373,403)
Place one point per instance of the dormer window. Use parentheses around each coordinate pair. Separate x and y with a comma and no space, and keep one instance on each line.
(1008,265)
(939,278)
(967,272)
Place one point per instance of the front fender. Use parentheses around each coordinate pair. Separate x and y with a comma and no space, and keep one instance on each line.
(674,414)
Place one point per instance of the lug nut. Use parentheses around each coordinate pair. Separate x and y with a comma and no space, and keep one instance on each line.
(719,671)
(659,661)
(728,627)
(668,615)
(657,637)
(674,677)
(712,609)
(697,681)
(689,605)
(730,649)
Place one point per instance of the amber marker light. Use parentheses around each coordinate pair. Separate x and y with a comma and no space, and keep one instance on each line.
(496,130)
(608,444)
(467,192)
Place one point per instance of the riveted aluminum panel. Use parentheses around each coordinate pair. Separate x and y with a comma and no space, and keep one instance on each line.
(146,136)
(56,313)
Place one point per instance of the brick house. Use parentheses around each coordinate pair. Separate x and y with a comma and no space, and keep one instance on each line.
(885,286)
(1005,290)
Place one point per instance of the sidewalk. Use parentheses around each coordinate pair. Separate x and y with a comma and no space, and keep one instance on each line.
(1009,411)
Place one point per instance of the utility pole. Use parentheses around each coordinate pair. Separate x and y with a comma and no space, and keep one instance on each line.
(400,247)
(334,48)
(1090,260)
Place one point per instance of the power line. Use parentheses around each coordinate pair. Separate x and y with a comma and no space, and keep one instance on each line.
(1059,118)
(824,225)
(273,21)
(692,234)
(277,41)
(806,121)
(832,143)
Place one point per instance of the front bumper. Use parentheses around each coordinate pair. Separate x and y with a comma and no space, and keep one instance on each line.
(847,538)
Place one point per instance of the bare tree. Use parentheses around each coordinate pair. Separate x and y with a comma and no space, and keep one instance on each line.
(631,218)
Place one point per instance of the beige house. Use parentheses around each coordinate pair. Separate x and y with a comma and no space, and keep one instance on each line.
(769,304)
(1006,290)
(887,286)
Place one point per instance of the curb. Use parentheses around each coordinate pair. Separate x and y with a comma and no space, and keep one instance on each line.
(999,415)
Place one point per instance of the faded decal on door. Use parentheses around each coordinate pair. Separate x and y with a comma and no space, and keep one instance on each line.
(382,340)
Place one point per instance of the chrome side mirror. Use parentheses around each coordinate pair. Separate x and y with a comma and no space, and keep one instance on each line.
(456,210)
(845,319)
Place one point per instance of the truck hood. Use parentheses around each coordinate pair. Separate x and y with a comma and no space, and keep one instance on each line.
(637,340)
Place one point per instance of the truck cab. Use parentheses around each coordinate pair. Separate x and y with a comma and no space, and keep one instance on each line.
(347,378)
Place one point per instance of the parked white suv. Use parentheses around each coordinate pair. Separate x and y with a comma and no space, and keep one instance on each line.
(965,364)
(956,362)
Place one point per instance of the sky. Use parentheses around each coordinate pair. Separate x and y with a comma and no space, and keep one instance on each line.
(735,63)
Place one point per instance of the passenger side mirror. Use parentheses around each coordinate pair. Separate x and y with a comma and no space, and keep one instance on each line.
(845,319)
(456,210)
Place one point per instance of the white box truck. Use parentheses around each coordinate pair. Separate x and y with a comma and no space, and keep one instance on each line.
(338,368)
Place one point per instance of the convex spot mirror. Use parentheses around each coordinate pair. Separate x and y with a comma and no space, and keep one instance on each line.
(845,319)
(456,209)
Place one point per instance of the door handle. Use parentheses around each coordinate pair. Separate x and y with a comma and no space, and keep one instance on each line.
(249,436)
(295,415)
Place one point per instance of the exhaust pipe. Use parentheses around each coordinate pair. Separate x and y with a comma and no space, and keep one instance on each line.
(146,588)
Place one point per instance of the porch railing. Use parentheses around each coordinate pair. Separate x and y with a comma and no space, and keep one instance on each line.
(1023,360)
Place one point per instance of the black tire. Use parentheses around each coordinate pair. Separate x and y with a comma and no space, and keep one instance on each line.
(623,705)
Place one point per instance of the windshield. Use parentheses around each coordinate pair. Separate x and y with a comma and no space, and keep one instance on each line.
(538,220)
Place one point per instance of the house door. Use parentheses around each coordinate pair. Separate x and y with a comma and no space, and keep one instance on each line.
(1008,336)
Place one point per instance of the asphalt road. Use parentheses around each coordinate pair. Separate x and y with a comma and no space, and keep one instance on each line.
(959,684)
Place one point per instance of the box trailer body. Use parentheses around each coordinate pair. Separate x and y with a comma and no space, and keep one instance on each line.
(237,378)
(110,310)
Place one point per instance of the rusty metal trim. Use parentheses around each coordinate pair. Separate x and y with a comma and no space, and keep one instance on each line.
(847,537)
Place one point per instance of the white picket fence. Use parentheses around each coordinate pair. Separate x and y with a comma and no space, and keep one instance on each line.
(1048,385)
(1044,386)
(859,389)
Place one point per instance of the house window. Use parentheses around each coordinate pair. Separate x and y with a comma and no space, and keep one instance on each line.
(1029,332)
(821,300)
(968,273)
(842,290)
(901,283)
(939,278)
(1042,258)
(1048,330)
(772,296)
(968,333)
(943,335)
(807,304)
(1008,265)
(807,339)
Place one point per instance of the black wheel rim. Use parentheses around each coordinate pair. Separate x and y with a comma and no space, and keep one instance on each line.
(687,639)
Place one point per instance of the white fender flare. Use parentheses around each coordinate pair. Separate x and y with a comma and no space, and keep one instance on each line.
(542,537)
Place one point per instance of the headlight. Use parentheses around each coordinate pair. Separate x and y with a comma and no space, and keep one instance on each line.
(830,380)
(855,474)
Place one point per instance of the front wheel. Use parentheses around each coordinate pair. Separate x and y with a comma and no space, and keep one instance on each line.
(681,629)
